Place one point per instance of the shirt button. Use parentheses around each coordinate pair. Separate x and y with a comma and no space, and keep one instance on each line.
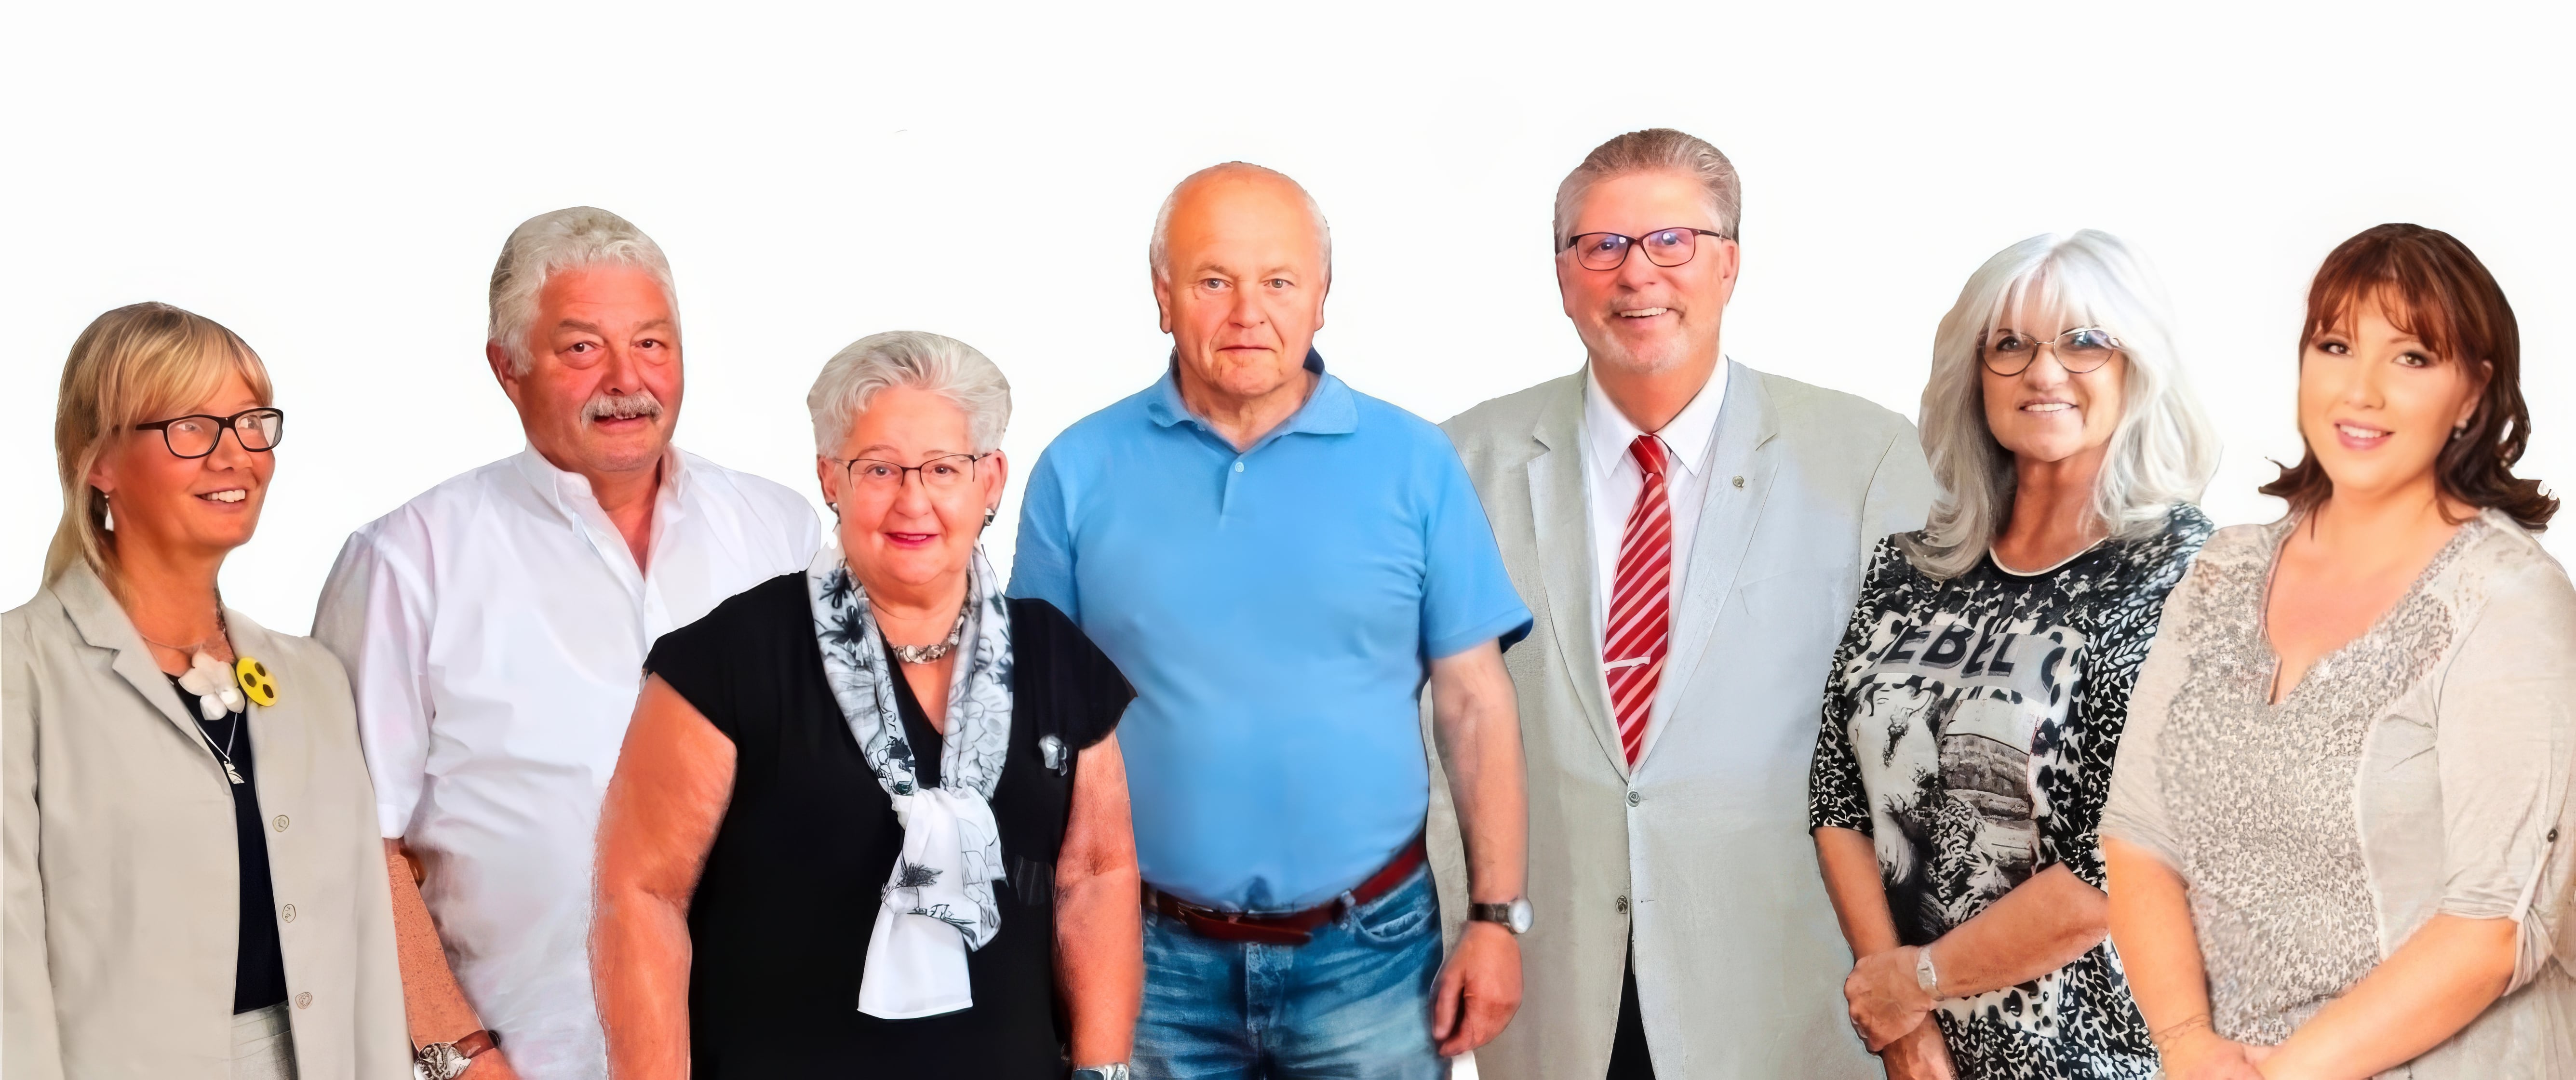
(281,823)
(288,911)
(304,1000)
(1621,904)
(1634,798)
(1739,481)
(1238,466)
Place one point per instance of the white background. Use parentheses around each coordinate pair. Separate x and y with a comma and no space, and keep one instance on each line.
(334,183)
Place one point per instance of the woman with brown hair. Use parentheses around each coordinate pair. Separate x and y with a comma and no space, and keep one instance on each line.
(194,884)
(2334,831)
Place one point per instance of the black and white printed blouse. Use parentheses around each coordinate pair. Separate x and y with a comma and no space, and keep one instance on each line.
(1969,729)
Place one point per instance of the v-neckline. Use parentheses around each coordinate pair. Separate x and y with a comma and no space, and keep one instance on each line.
(2263,612)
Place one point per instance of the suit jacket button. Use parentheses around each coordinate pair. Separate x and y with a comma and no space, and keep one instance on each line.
(1739,481)
(304,1000)
(288,911)
(281,823)
(1634,798)
(1622,905)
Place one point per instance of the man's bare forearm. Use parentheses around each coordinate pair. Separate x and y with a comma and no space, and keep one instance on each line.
(1477,725)
(433,1003)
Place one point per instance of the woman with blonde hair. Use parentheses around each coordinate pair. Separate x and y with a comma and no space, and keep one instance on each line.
(2338,835)
(1983,681)
(194,884)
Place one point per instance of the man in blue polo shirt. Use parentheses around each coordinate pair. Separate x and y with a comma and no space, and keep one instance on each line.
(1280,565)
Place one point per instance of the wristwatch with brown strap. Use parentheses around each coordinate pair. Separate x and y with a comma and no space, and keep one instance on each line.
(447,1060)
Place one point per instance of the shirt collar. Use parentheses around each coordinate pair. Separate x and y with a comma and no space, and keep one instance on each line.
(1688,436)
(1329,409)
(567,492)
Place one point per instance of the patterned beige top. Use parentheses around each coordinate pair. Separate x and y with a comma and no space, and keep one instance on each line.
(2422,768)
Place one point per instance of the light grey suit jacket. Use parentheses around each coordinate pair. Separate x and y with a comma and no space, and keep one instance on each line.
(1703,851)
(123,871)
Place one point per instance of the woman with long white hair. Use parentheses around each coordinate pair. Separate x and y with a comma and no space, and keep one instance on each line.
(1954,818)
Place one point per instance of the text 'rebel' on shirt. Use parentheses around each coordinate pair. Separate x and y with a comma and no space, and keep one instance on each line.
(495,630)
(1277,610)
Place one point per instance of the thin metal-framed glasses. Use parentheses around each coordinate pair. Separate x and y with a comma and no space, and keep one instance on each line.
(2010,352)
(259,431)
(947,472)
(1664,247)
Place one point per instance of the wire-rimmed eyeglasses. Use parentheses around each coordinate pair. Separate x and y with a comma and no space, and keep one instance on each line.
(945,472)
(1664,247)
(258,430)
(2010,352)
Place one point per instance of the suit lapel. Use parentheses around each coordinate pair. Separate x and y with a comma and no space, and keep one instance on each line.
(1563,523)
(102,623)
(1745,426)
(276,731)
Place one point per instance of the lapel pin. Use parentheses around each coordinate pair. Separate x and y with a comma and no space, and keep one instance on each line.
(256,681)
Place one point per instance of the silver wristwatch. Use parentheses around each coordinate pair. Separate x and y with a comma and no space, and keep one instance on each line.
(1514,916)
(438,1061)
(1924,974)
(447,1060)
(1102,1072)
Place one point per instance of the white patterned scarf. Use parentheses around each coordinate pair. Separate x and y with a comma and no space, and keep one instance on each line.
(939,902)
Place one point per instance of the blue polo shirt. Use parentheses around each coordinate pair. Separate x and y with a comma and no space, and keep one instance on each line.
(1276,610)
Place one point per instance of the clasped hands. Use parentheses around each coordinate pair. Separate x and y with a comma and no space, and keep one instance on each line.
(1891,1014)
(2192,1050)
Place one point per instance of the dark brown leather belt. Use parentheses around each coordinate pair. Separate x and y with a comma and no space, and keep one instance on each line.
(1292,927)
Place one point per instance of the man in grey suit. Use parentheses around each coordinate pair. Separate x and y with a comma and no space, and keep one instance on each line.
(1690,534)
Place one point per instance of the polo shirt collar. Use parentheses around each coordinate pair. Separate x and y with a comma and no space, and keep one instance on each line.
(1329,409)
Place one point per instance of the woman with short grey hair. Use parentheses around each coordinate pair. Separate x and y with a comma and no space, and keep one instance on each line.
(1979,693)
(872,816)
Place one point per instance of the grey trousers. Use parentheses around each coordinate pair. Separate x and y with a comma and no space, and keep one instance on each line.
(263,1047)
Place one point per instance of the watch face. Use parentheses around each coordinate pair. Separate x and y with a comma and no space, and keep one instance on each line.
(1521,916)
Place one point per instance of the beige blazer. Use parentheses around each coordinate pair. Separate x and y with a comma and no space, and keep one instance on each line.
(1701,852)
(123,872)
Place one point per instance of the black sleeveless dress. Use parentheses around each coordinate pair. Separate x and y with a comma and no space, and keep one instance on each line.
(780,921)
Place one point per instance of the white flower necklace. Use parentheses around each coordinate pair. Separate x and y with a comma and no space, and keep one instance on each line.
(217,688)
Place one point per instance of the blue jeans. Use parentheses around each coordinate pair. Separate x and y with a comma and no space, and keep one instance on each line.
(1354,1003)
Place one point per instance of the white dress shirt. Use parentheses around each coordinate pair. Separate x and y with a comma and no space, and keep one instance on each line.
(1611,481)
(494,630)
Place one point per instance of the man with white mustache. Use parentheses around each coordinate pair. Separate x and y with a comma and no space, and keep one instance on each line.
(1691,533)
(494,629)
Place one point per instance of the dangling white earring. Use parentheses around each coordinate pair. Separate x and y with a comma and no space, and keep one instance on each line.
(106,512)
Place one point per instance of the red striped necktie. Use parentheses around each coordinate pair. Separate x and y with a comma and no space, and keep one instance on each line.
(1640,623)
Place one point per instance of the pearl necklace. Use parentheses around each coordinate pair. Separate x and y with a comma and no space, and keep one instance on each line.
(937,650)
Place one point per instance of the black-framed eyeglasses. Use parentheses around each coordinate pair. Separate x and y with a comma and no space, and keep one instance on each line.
(259,431)
(1664,247)
(2010,352)
(946,472)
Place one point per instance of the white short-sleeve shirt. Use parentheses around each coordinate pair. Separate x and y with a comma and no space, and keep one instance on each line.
(494,630)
